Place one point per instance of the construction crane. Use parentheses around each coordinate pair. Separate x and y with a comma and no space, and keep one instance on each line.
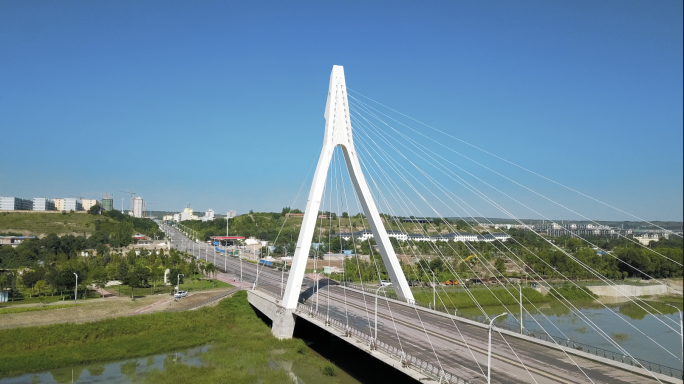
(132,194)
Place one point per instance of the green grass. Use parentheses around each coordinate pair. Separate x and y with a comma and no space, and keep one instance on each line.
(50,222)
(461,299)
(573,293)
(189,285)
(241,351)
(34,309)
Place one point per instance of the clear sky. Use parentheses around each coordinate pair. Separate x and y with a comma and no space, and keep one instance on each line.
(220,104)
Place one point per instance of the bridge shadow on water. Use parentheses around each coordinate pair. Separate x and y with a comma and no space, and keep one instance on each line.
(355,362)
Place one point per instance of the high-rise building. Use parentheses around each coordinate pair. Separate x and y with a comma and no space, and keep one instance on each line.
(138,207)
(9,203)
(88,203)
(72,204)
(107,203)
(43,204)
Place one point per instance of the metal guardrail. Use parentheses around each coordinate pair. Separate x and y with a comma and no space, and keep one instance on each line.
(406,360)
(616,356)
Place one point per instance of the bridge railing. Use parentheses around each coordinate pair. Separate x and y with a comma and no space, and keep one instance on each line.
(393,352)
(616,356)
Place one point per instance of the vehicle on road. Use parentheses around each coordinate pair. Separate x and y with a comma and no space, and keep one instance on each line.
(384,283)
(180,294)
(451,282)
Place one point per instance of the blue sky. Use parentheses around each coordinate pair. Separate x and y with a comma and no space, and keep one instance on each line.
(220,104)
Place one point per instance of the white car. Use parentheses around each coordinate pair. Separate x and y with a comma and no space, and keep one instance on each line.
(385,283)
(180,294)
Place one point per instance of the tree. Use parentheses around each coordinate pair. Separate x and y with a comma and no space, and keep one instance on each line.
(100,279)
(138,277)
(40,285)
(95,209)
(500,265)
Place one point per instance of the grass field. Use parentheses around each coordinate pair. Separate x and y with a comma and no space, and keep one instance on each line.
(4,311)
(42,223)
(243,346)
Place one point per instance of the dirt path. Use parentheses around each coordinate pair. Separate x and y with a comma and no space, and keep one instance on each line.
(99,309)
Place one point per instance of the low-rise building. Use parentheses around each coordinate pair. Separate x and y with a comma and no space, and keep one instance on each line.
(43,204)
(419,237)
(13,241)
(59,204)
(88,203)
(399,235)
(9,203)
(167,218)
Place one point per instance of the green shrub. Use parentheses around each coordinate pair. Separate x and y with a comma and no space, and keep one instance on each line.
(329,369)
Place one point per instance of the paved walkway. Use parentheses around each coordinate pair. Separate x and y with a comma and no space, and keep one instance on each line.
(233,280)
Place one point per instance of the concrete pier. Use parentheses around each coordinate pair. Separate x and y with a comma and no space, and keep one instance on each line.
(283,319)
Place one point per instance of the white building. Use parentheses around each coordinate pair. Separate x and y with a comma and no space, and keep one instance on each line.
(231,214)
(43,204)
(167,218)
(8,203)
(72,204)
(138,207)
(208,215)
(187,214)
(176,217)
(462,236)
(418,237)
(399,235)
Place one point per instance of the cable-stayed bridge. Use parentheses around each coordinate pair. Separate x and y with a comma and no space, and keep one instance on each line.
(413,176)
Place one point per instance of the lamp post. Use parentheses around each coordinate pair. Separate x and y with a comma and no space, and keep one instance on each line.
(282,278)
(316,274)
(375,340)
(76,288)
(489,349)
(434,291)
(680,327)
(178,282)
(521,309)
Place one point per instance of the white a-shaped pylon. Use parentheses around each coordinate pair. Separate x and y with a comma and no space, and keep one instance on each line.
(338,131)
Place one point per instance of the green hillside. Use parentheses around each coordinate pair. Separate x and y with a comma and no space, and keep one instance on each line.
(43,223)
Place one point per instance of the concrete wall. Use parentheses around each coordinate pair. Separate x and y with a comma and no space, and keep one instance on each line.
(632,290)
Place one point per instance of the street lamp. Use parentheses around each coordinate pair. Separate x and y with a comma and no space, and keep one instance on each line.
(375,340)
(434,291)
(317,278)
(76,288)
(282,278)
(178,282)
(489,349)
(680,327)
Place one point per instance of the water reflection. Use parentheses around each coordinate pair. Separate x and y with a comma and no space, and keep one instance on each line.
(125,371)
(627,324)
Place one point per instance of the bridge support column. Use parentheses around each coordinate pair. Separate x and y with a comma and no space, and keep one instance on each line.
(283,319)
